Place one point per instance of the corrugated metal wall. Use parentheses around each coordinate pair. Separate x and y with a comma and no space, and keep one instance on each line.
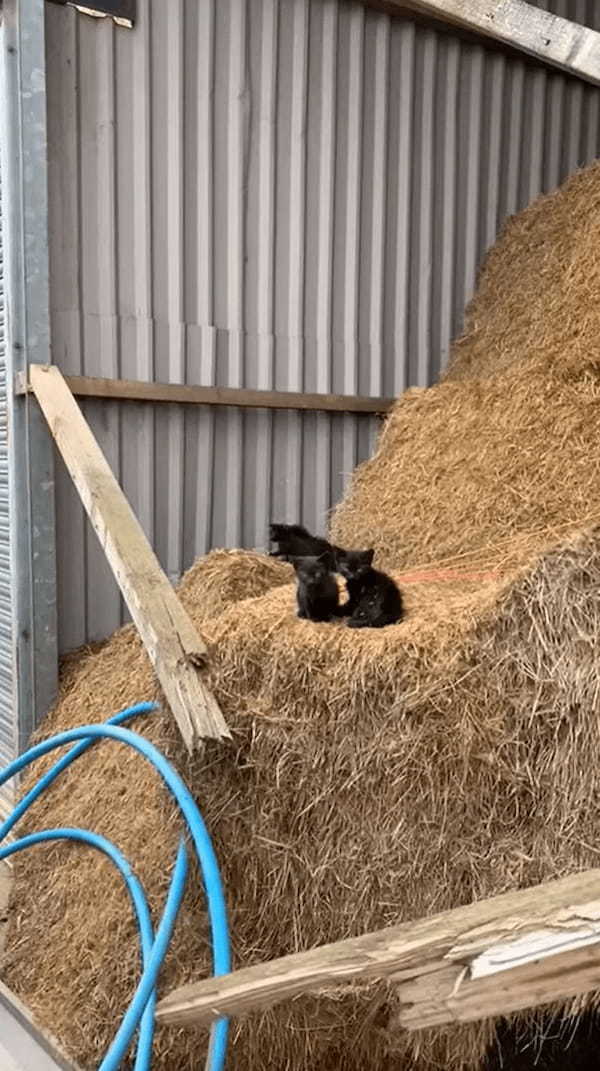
(271,193)
(8,726)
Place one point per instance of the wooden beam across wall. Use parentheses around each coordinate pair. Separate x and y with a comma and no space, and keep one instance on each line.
(135,390)
(138,391)
(167,632)
(493,957)
(568,45)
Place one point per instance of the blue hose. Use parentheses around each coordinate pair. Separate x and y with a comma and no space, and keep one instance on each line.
(206,858)
(140,904)
(74,753)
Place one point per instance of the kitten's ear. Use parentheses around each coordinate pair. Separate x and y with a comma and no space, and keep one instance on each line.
(369,555)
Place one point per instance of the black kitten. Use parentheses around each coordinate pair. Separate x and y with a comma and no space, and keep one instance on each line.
(374,601)
(317,592)
(294,541)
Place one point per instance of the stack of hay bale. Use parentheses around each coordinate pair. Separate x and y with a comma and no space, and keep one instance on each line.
(376,776)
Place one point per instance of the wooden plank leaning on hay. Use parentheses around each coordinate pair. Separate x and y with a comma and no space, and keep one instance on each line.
(491,958)
(560,42)
(169,636)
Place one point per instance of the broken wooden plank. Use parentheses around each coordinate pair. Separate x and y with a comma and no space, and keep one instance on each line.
(550,38)
(169,636)
(453,995)
(567,911)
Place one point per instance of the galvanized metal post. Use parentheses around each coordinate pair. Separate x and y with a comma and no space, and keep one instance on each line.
(30,646)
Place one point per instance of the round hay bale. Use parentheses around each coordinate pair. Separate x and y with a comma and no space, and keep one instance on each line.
(224,577)
(537,293)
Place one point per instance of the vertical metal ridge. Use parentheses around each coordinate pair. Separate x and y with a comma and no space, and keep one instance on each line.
(8,721)
(346,358)
(492,170)
(236,157)
(472,190)
(203,484)
(399,379)
(352,197)
(174,422)
(141,179)
(101,342)
(291,424)
(326,184)
(64,233)
(259,425)
(446,169)
(378,233)
(318,454)
(421,241)
(233,422)
(266,198)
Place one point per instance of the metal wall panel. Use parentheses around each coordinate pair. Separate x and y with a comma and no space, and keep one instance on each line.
(8,726)
(293,194)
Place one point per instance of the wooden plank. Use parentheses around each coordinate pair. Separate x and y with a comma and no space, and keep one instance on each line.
(550,38)
(171,641)
(138,391)
(450,996)
(570,906)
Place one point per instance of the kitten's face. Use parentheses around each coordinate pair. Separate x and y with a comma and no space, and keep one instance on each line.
(354,564)
(311,571)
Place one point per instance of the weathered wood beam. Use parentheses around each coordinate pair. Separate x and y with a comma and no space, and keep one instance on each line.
(471,950)
(167,632)
(450,995)
(550,38)
(135,390)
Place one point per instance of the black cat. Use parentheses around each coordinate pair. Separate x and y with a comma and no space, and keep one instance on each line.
(374,600)
(317,591)
(294,541)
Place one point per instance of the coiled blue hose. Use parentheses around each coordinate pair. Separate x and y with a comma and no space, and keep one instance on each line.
(142,1005)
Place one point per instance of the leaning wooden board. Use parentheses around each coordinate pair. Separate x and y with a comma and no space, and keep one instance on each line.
(169,636)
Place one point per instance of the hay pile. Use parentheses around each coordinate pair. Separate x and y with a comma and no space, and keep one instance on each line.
(538,291)
(375,776)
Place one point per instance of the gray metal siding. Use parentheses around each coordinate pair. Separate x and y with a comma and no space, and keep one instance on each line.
(293,194)
(8,726)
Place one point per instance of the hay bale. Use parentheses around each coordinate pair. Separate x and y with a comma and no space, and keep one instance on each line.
(224,577)
(457,734)
(479,473)
(538,289)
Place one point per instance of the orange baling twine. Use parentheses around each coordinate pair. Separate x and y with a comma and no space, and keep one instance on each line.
(445,575)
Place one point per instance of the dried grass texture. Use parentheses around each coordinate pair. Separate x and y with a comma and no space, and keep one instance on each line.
(466,737)
(479,474)
(224,577)
(538,290)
